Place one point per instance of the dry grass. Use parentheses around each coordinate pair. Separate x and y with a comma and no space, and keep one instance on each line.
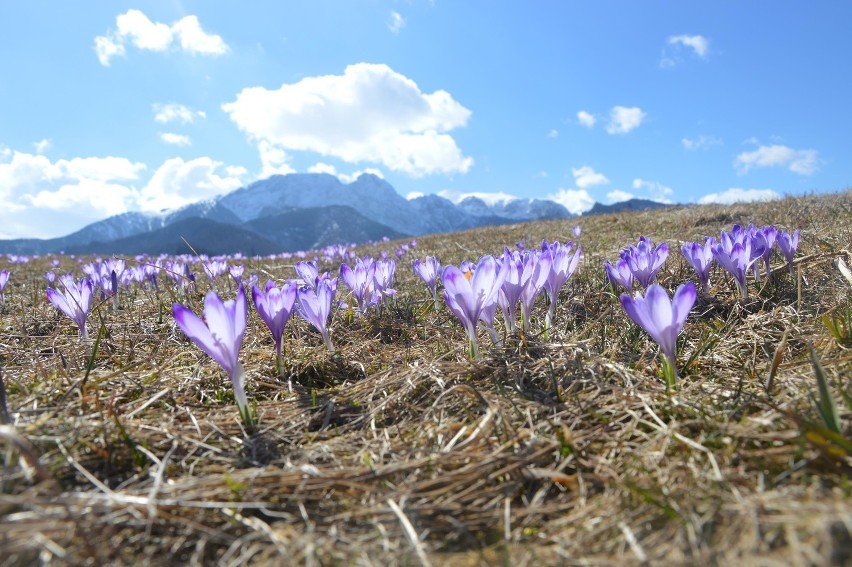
(400,450)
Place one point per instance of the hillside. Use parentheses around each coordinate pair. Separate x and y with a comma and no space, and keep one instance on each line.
(562,446)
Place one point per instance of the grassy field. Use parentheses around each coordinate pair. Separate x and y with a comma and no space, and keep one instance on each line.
(399,449)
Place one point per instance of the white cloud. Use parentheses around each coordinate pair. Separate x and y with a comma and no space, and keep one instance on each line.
(656,191)
(42,145)
(488,198)
(617,196)
(165,113)
(577,201)
(803,162)
(414,195)
(586,176)
(369,114)
(273,160)
(554,133)
(700,142)
(586,119)
(396,22)
(136,28)
(321,167)
(47,199)
(177,183)
(623,119)
(697,43)
(175,139)
(737,195)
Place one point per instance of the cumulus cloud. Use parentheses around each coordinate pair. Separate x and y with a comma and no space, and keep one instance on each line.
(414,195)
(396,22)
(617,196)
(45,199)
(371,113)
(490,199)
(700,142)
(273,159)
(699,44)
(177,183)
(135,28)
(586,176)
(623,119)
(586,119)
(577,201)
(175,139)
(165,113)
(803,162)
(655,190)
(738,195)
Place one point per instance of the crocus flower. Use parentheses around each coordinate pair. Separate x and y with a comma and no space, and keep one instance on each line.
(562,266)
(467,295)
(770,235)
(510,291)
(237,273)
(308,272)
(220,335)
(700,257)
(315,306)
(737,262)
(361,280)
(428,271)
(645,261)
(788,245)
(534,276)
(619,275)
(4,278)
(385,270)
(274,306)
(660,316)
(75,301)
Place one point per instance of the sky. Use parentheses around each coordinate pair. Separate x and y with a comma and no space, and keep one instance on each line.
(109,107)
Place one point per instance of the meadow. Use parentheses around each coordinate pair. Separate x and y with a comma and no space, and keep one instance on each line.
(560,446)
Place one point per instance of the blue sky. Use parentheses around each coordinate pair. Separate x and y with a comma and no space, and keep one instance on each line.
(107,107)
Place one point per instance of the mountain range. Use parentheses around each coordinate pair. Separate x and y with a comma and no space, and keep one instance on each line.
(298,211)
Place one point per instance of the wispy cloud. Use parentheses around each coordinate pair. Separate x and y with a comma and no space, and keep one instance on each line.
(623,119)
(554,133)
(655,190)
(803,162)
(135,28)
(42,145)
(618,196)
(738,195)
(175,139)
(586,119)
(698,43)
(700,142)
(165,113)
(396,22)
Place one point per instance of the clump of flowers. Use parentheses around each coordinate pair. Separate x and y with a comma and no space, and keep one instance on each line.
(637,263)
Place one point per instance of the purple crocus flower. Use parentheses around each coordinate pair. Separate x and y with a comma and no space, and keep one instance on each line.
(274,306)
(788,244)
(308,272)
(315,306)
(619,275)
(700,257)
(383,279)
(510,291)
(237,273)
(220,334)
(645,261)
(737,262)
(534,276)
(4,279)
(75,301)
(661,317)
(562,267)
(770,235)
(428,271)
(361,280)
(468,294)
